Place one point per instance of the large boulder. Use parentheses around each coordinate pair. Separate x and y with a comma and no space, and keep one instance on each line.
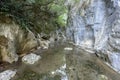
(31,58)
(7,75)
(14,41)
(7,42)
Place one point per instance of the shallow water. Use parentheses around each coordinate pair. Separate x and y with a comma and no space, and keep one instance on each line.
(60,64)
(50,67)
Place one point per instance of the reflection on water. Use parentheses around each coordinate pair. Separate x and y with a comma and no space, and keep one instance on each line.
(57,63)
(50,67)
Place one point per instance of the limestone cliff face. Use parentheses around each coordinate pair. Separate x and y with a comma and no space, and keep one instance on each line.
(14,41)
(95,24)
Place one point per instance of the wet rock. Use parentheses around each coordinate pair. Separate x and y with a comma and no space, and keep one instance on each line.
(61,71)
(44,44)
(31,58)
(85,66)
(7,75)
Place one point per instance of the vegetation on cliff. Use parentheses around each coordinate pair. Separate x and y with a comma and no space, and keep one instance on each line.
(35,15)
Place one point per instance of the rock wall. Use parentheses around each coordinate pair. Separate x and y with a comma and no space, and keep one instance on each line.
(95,24)
(14,41)
(7,48)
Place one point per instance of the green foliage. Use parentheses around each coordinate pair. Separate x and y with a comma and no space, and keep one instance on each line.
(61,11)
(57,8)
(77,1)
(36,15)
(62,19)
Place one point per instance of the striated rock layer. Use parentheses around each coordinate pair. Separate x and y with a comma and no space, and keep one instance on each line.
(16,42)
(95,24)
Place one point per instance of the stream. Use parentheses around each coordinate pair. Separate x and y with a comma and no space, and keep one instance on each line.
(58,63)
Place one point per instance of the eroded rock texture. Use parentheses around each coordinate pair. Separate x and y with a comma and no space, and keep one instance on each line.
(14,41)
(95,24)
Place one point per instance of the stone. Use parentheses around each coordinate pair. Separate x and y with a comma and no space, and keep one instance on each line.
(115,61)
(30,58)
(61,71)
(44,44)
(7,75)
(102,77)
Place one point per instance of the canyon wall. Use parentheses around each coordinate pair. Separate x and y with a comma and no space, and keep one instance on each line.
(95,24)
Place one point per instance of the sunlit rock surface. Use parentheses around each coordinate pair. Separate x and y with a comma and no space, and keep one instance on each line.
(7,75)
(7,42)
(30,58)
(15,42)
(68,48)
(96,25)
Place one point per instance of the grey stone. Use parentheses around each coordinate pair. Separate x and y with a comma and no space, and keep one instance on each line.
(98,28)
(7,75)
(30,58)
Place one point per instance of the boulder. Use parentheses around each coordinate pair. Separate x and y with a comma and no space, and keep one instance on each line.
(30,58)
(14,41)
(7,75)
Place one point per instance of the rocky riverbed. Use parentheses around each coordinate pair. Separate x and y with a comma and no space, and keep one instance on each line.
(63,62)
